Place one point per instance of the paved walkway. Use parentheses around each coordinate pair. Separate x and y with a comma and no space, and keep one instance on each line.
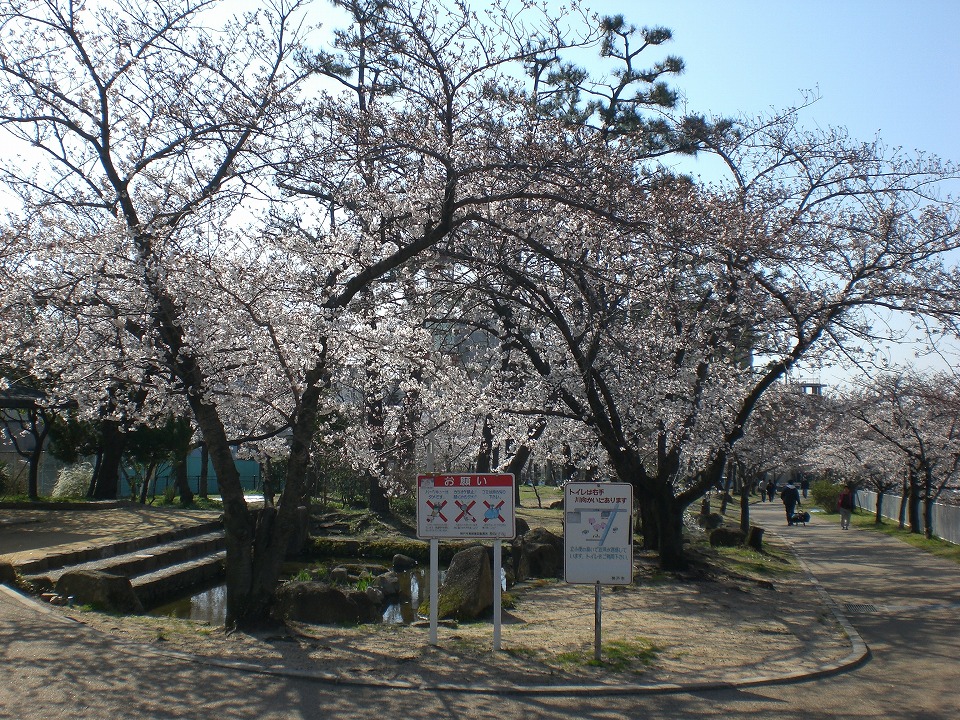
(866,572)
(902,602)
(26,534)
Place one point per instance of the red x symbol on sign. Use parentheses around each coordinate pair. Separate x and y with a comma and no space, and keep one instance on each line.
(465,510)
(493,511)
(436,510)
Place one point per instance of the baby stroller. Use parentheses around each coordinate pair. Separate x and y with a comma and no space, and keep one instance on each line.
(800,517)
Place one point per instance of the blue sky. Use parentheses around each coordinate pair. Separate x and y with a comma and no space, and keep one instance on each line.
(883,67)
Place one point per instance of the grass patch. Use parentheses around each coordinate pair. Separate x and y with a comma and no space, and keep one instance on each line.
(521,651)
(773,562)
(776,561)
(548,494)
(616,655)
(934,546)
(200,503)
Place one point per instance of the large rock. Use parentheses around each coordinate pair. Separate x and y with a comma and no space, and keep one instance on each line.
(710,521)
(727,537)
(467,589)
(104,591)
(8,574)
(320,603)
(540,556)
(523,527)
(389,584)
(403,563)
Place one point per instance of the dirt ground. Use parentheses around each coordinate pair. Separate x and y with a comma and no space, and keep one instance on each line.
(695,628)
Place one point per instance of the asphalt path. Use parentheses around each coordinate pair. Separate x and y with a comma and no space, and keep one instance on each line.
(904,604)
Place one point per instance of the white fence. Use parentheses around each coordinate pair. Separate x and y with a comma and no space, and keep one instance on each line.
(946,518)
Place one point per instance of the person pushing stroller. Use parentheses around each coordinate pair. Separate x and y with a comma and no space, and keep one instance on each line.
(791,498)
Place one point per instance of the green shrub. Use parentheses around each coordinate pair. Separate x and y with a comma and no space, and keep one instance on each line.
(825,493)
(363,582)
(73,481)
(405,505)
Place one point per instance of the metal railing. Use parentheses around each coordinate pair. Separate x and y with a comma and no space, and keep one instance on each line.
(946,518)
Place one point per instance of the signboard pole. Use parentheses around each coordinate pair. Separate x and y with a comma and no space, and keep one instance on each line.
(497,551)
(597,614)
(434,588)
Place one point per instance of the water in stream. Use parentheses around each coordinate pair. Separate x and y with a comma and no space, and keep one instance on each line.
(210,604)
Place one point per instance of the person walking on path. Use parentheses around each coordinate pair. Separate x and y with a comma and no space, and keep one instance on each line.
(845,507)
(771,489)
(790,496)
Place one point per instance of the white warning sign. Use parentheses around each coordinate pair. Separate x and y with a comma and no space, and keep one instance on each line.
(465,506)
(598,533)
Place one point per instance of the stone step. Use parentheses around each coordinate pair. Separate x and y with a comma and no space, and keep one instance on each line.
(169,583)
(142,560)
(88,553)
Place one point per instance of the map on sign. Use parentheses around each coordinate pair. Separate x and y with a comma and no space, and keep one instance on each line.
(598,533)
(465,506)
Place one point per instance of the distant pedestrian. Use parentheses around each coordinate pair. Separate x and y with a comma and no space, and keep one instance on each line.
(804,486)
(771,490)
(845,506)
(790,497)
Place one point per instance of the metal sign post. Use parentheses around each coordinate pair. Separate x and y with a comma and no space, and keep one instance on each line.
(434,589)
(598,539)
(465,506)
(597,623)
(497,562)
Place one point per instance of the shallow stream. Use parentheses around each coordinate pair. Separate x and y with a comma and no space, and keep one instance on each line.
(210,604)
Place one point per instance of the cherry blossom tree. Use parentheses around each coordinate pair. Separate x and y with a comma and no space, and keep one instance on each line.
(662,314)
(915,417)
(847,450)
(221,221)
(777,438)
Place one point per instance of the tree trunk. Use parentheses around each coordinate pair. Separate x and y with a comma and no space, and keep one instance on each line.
(243,603)
(670,520)
(485,452)
(927,501)
(928,518)
(728,483)
(515,468)
(268,490)
(913,508)
(39,429)
(183,481)
(878,519)
(202,487)
(96,471)
(276,526)
(745,508)
(902,510)
(379,503)
(145,488)
(107,477)
(520,458)
(33,476)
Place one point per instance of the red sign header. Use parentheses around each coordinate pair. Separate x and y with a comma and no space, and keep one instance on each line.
(464,480)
